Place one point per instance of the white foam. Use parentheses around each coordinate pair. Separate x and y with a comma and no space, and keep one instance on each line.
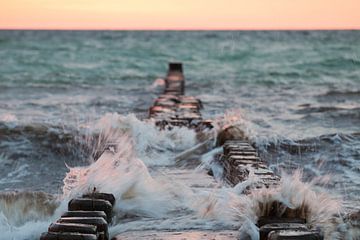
(25,215)
(30,230)
(127,171)
(123,175)
(8,117)
(153,146)
(158,83)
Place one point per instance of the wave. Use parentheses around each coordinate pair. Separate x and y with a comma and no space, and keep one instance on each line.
(24,215)
(88,141)
(150,197)
(334,93)
(4,40)
(41,131)
(152,200)
(285,74)
(27,147)
(148,141)
(341,63)
(324,109)
(309,145)
(133,153)
(19,207)
(54,139)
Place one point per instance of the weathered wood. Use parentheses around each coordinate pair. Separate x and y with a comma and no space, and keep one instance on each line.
(67,236)
(266,229)
(90,204)
(183,235)
(85,214)
(88,215)
(173,109)
(99,222)
(73,227)
(175,81)
(294,235)
(104,196)
(239,159)
(175,67)
(269,220)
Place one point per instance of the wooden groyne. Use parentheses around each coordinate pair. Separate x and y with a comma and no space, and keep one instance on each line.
(241,161)
(173,108)
(88,217)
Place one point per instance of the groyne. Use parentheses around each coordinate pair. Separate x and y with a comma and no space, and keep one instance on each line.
(89,216)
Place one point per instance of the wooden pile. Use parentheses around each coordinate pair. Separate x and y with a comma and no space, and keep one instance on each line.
(87,218)
(240,161)
(173,108)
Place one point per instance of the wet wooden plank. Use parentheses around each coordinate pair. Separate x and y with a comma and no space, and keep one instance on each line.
(294,235)
(240,159)
(186,235)
(87,218)
(266,229)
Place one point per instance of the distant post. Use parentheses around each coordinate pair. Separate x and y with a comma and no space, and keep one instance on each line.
(175,67)
(175,81)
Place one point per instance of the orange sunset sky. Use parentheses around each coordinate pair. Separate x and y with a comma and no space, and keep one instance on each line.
(179,14)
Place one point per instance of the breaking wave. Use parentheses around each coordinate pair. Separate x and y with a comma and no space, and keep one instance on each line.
(133,154)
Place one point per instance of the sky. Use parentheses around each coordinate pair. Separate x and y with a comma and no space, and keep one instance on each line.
(180,14)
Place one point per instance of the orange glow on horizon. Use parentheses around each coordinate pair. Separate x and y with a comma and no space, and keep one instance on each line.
(180,14)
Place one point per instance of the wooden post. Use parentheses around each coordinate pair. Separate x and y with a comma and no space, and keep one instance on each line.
(175,67)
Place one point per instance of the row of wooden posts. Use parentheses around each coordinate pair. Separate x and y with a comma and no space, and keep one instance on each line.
(239,159)
(88,217)
(173,108)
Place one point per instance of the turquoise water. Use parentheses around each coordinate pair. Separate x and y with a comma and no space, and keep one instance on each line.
(292,87)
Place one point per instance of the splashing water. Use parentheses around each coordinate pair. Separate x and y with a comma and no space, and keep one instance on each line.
(334,156)
(134,167)
(24,215)
(154,147)
(123,175)
(300,98)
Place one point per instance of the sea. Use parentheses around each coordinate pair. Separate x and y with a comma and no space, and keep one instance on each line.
(296,95)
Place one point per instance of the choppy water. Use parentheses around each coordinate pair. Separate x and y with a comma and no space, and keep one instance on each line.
(296,94)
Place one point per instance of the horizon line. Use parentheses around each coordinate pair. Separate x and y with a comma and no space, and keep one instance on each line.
(181,29)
